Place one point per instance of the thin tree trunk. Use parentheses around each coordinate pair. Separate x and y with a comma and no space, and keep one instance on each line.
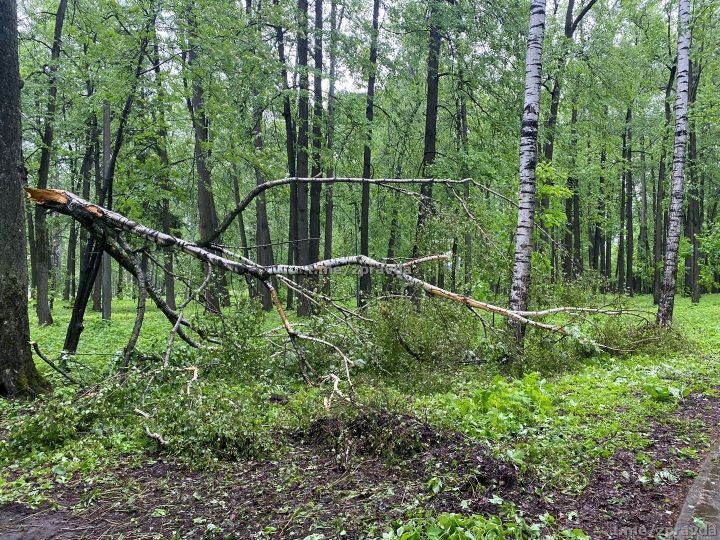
(520,284)
(659,218)
(464,148)
(99,195)
(71,265)
(162,152)
(18,375)
(317,136)
(216,294)
(29,215)
(667,294)
(119,287)
(393,240)
(71,261)
(41,240)
(365,279)
(630,195)
(643,243)
(694,217)
(263,238)
(290,148)
(329,203)
(570,262)
(107,260)
(620,270)
(303,247)
(431,115)
(696,197)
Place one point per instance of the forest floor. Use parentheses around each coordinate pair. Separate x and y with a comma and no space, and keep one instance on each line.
(605,447)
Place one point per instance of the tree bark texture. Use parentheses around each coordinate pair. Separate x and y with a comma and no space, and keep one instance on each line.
(520,284)
(667,293)
(18,375)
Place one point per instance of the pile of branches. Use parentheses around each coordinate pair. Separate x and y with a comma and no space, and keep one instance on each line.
(112,229)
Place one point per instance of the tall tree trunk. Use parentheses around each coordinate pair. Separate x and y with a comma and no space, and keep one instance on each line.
(465,149)
(629,196)
(263,238)
(598,236)
(643,243)
(520,284)
(290,148)
(71,261)
(71,264)
(29,215)
(431,115)
(329,203)
(42,246)
(162,152)
(99,195)
(571,244)
(393,239)
(18,375)
(303,247)
(695,210)
(216,294)
(107,260)
(365,279)
(659,218)
(317,135)
(56,247)
(667,293)
(620,271)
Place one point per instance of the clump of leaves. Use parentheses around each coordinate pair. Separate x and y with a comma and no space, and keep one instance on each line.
(208,420)
(510,524)
(505,408)
(431,331)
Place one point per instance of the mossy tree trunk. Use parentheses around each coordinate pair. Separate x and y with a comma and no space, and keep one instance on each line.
(18,375)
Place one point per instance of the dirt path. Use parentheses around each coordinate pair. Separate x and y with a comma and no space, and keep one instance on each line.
(700,515)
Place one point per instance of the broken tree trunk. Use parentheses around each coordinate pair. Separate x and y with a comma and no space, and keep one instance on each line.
(100,221)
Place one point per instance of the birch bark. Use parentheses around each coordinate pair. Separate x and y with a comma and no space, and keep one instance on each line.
(520,285)
(667,293)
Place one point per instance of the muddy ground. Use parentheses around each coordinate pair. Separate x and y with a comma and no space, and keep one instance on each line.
(343,480)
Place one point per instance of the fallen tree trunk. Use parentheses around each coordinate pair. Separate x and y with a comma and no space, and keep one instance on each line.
(104,223)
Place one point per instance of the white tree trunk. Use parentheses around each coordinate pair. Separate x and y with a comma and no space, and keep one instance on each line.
(520,287)
(667,294)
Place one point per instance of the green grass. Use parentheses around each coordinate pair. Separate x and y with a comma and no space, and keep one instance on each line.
(558,422)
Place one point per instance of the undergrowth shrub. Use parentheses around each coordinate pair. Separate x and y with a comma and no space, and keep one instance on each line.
(242,353)
(506,408)
(201,421)
(47,429)
(214,421)
(437,332)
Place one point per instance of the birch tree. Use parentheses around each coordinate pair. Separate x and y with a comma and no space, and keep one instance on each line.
(520,285)
(667,293)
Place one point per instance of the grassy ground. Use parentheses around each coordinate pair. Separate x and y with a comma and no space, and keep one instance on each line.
(589,441)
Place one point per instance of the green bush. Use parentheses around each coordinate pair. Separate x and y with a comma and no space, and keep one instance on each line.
(214,421)
(435,332)
(504,409)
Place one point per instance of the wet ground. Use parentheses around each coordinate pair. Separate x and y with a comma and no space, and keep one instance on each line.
(343,480)
(700,515)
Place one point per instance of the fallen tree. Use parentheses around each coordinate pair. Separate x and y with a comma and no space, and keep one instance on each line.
(108,227)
